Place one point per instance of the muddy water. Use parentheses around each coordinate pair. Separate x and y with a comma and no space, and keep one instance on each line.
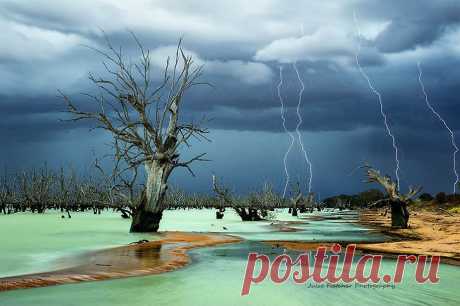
(215,275)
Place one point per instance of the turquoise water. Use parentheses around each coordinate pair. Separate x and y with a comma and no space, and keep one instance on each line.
(33,242)
(215,275)
(326,230)
(215,278)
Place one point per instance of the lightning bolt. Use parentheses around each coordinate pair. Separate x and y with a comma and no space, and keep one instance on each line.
(451,132)
(283,118)
(299,123)
(379,96)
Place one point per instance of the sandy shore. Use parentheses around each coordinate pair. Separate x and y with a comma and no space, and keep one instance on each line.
(430,233)
(154,257)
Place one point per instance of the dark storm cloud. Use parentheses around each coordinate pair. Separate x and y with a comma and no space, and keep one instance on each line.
(18,105)
(337,100)
(36,129)
(36,119)
(42,51)
(403,34)
(412,23)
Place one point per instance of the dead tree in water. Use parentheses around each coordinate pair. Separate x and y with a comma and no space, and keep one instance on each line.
(36,188)
(296,200)
(228,200)
(144,121)
(398,202)
(7,195)
(63,196)
(301,203)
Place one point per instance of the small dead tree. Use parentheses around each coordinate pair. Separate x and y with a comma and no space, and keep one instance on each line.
(143,118)
(6,194)
(226,199)
(36,188)
(398,202)
(299,203)
(296,199)
(251,208)
(63,194)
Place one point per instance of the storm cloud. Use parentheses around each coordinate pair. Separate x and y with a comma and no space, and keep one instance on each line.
(241,45)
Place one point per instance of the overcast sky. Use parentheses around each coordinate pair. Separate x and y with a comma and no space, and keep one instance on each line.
(242,45)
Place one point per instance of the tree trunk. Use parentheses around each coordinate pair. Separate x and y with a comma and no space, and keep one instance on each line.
(220,213)
(148,215)
(399,214)
(145,221)
(250,214)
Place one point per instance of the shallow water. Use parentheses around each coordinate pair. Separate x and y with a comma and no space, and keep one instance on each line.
(33,242)
(215,276)
(326,230)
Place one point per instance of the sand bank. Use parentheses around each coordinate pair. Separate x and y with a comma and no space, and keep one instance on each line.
(154,257)
(430,233)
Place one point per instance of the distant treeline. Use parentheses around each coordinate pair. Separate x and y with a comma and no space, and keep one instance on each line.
(375,197)
(359,200)
(41,189)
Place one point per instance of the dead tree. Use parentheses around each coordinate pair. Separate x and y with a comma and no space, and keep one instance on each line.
(398,202)
(299,203)
(63,193)
(251,208)
(36,189)
(6,195)
(296,199)
(144,120)
(310,203)
(268,199)
(227,199)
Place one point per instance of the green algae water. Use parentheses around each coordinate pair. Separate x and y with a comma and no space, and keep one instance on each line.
(216,273)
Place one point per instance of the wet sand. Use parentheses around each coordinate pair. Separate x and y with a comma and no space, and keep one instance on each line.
(154,257)
(430,233)
(286,226)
